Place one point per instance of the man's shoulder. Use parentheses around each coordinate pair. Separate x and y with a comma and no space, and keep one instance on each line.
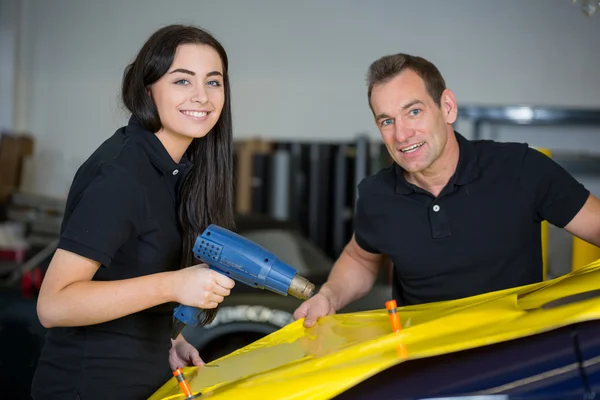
(502,154)
(498,148)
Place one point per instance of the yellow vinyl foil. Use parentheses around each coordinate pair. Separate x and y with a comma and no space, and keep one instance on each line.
(345,349)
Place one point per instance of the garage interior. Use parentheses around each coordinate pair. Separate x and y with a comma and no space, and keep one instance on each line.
(304,136)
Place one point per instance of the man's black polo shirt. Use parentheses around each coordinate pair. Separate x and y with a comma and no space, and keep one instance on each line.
(121,211)
(481,234)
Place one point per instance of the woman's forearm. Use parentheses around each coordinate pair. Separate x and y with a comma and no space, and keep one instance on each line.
(93,302)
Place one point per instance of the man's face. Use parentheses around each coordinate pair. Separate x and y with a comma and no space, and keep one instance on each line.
(414,129)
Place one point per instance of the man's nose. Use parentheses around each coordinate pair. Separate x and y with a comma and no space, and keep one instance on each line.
(403,133)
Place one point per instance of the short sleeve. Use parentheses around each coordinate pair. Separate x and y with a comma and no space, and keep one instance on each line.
(364,232)
(557,196)
(103,216)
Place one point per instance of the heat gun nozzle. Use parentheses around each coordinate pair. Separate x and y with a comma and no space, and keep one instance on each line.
(301,288)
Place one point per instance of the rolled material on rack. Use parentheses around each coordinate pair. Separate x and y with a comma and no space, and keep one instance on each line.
(280,189)
(361,164)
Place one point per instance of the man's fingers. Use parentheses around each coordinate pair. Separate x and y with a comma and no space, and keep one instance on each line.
(310,320)
(311,316)
(299,315)
(311,312)
(300,311)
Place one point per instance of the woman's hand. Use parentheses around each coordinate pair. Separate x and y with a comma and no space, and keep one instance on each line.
(198,286)
(183,354)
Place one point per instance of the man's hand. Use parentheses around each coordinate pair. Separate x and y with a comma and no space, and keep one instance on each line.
(183,354)
(313,309)
(351,277)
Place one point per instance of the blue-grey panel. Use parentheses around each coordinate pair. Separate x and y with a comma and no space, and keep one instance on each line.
(540,366)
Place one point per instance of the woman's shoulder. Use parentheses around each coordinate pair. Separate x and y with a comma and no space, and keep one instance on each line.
(113,164)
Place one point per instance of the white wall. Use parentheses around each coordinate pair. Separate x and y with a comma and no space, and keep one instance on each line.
(9,28)
(297,67)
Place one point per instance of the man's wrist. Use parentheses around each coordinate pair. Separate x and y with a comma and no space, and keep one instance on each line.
(328,292)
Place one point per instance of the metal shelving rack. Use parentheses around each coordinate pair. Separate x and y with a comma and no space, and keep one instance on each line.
(494,116)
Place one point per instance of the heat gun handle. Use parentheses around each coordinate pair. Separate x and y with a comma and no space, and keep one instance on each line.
(182,316)
(187,315)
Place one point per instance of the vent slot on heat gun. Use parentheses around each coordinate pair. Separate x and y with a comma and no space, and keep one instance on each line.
(208,249)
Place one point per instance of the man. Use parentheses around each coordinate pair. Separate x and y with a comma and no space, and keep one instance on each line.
(456,217)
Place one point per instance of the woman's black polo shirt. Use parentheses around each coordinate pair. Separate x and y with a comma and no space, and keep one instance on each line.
(481,234)
(121,211)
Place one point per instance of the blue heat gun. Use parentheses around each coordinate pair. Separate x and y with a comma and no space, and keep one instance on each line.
(244,261)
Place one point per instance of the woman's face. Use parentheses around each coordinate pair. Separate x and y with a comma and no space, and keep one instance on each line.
(190,96)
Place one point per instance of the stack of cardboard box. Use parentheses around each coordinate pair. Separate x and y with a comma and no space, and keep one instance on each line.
(14,148)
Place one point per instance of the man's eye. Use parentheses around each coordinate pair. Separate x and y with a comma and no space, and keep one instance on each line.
(386,122)
(415,111)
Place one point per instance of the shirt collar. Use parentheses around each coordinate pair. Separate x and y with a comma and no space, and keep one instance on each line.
(155,150)
(467,169)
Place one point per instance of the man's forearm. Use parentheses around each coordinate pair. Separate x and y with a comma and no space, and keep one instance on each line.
(350,279)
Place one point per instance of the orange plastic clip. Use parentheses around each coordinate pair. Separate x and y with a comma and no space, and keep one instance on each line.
(183,383)
(391,306)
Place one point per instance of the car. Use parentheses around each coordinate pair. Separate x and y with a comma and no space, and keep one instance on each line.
(539,341)
(249,314)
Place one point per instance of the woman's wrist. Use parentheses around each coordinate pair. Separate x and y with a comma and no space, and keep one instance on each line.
(168,286)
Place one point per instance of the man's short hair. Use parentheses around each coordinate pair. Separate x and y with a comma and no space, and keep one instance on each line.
(388,67)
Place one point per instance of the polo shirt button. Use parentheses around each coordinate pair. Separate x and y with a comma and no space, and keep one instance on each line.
(436,208)
(175,172)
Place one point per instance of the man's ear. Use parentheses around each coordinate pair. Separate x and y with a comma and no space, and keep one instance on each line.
(448,106)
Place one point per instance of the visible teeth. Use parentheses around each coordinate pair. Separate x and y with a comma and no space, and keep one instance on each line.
(411,148)
(197,114)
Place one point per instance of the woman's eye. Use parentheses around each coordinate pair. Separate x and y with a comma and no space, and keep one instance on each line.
(214,83)
(182,82)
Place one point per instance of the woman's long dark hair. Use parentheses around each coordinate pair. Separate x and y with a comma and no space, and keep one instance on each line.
(207,193)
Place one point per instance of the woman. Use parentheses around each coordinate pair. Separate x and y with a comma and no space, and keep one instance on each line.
(133,212)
